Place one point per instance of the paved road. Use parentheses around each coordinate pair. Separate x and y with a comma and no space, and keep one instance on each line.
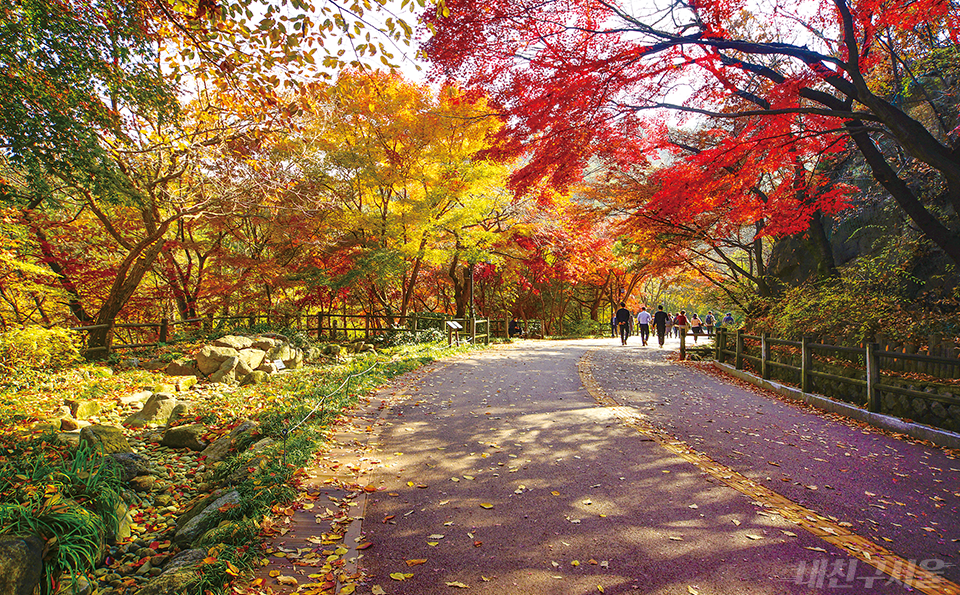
(501,471)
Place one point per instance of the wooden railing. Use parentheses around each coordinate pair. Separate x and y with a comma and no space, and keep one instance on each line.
(332,326)
(868,363)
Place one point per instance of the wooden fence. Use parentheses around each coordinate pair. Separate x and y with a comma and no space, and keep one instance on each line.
(874,370)
(334,327)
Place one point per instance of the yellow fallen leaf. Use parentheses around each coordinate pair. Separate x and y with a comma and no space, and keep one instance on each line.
(287,580)
(555,493)
(400,576)
(458,585)
(676,538)
(575,563)
(378,590)
(416,562)
(274,573)
(600,588)
(754,536)
(692,590)
(486,505)
(347,589)
(468,477)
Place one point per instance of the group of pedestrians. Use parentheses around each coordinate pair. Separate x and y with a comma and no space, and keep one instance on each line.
(664,323)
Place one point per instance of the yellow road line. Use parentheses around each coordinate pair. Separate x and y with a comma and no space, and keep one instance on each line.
(826,529)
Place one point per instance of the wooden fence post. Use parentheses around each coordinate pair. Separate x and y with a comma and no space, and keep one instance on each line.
(765,356)
(739,356)
(473,330)
(806,362)
(319,324)
(164,331)
(873,377)
(721,343)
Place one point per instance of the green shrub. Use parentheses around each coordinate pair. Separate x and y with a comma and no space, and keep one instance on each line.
(397,337)
(37,348)
(70,501)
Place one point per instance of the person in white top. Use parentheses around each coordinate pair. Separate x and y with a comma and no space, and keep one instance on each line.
(643,321)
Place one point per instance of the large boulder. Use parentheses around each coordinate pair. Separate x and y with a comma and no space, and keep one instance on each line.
(203,517)
(82,409)
(283,352)
(131,464)
(109,438)
(185,437)
(265,343)
(252,357)
(211,357)
(234,341)
(226,373)
(156,411)
(21,564)
(182,367)
(217,451)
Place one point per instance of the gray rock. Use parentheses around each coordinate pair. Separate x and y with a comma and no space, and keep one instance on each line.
(131,464)
(69,439)
(211,357)
(181,409)
(109,438)
(68,424)
(179,575)
(156,411)
(124,522)
(242,370)
(185,382)
(153,365)
(260,444)
(265,344)
(143,483)
(226,372)
(204,520)
(252,357)
(296,361)
(255,377)
(82,409)
(182,367)
(267,367)
(139,397)
(282,352)
(234,341)
(21,564)
(185,437)
(217,451)
(76,585)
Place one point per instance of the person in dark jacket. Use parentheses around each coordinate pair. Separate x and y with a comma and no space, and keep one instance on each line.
(622,319)
(660,322)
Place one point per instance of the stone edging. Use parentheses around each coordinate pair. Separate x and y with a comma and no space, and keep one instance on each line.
(937,436)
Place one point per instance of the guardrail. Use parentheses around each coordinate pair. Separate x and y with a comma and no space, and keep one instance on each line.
(868,363)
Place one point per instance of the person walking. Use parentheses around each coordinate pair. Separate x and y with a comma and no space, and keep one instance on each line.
(622,319)
(727,320)
(660,320)
(643,321)
(696,325)
(709,322)
(680,322)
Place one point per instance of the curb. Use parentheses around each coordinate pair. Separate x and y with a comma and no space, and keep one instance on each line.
(937,436)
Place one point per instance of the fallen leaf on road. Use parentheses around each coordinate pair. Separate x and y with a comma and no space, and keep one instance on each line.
(486,505)
(378,590)
(676,538)
(287,580)
(816,549)
(692,590)
(736,522)
(555,493)
(575,563)
(693,506)
(400,576)
(416,562)
(458,585)
(789,533)
(364,545)
(436,536)
(749,536)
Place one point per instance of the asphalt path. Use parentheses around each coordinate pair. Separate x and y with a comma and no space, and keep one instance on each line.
(501,472)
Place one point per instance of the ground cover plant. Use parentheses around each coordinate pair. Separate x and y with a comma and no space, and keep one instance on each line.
(69,495)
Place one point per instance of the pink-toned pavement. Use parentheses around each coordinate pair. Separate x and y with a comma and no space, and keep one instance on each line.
(521,470)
